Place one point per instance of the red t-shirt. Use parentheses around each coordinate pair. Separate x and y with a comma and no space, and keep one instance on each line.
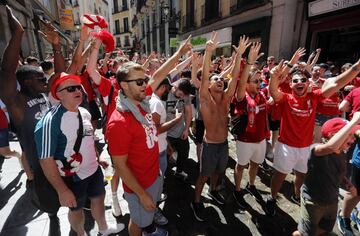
(329,106)
(3,120)
(260,119)
(85,81)
(354,99)
(127,136)
(104,89)
(298,118)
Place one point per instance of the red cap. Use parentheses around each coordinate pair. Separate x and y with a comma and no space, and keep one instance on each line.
(332,126)
(59,79)
(106,38)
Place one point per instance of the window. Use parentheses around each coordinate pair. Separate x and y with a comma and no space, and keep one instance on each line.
(116,6)
(118,42)
(124,5)
(126,24)
(127,41)
(117,27)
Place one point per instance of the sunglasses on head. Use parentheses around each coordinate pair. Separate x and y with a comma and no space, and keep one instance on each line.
(302,80)
(72,88)
(218,79)
(139,82)
(256,81)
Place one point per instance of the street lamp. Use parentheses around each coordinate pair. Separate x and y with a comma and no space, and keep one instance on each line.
(165,11)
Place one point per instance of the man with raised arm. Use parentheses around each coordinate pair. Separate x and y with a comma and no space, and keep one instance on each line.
(297,122)
(214,108)
(110,89)
(26,106)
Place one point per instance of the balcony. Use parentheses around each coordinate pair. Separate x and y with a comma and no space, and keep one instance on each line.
(208,17)
(188,22)
(237,6)
(121,30)
(120,9)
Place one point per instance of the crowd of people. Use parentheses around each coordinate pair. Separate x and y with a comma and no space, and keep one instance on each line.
(302,115)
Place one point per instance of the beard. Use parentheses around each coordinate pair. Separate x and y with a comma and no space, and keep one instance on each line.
(164,97)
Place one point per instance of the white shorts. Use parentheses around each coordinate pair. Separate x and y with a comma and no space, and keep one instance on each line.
(287,158)
(254,152)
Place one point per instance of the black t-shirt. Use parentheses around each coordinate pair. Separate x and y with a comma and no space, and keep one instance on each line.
(322,181)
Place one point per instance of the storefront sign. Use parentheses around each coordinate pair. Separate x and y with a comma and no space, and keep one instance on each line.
(320,7)
(223,38)
(174,42)
(65,15)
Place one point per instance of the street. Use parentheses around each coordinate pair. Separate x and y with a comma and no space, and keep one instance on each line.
(19,217)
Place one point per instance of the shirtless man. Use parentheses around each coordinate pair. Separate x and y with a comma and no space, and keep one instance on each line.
(214,108)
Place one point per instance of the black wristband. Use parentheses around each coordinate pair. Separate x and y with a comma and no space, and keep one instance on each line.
(289,65)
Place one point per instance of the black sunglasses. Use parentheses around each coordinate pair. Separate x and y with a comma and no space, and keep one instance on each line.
(218,78)
(302,80)
(256,81)
(72,88)
(139,82)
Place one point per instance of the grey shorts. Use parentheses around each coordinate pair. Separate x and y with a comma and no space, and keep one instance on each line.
(314,216)
(138,214)
(214,158)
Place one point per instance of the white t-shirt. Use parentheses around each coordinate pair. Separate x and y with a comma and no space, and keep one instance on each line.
(157,106)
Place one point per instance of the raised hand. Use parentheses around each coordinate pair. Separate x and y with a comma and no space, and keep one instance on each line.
(211,44)
(49,33)
(297,55)
(14,24)
(277,71)
(196,60)
(152,56)
(84,33)
(185,47)
(243,45)
(254,53)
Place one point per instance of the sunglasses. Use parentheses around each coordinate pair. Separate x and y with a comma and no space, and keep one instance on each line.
(302,80)
(72,88)
(256,81)
(139,82)
(218,79)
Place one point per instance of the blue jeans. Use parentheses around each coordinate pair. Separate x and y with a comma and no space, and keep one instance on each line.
(163,162)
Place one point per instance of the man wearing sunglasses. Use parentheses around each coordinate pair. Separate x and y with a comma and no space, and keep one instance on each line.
(297,123)
(25,107)
(214,108)
(66,149)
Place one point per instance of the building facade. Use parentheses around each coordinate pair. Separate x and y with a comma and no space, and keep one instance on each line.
(30,12)
(121,24)
(281,25)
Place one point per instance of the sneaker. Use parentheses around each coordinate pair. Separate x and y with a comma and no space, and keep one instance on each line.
(254,192)
(181,175)
(112,230)
(295,199)
(270,206)
(355,217)
(239,199)
(159,218)
(157,232)
(116,210)
(344,225)
(198,209)
(265,165)
(217,197)
(163,197)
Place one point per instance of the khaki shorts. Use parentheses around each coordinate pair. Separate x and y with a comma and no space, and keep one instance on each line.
(315,216)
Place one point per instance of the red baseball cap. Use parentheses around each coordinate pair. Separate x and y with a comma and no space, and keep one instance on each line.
(60,79)
(332,126)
